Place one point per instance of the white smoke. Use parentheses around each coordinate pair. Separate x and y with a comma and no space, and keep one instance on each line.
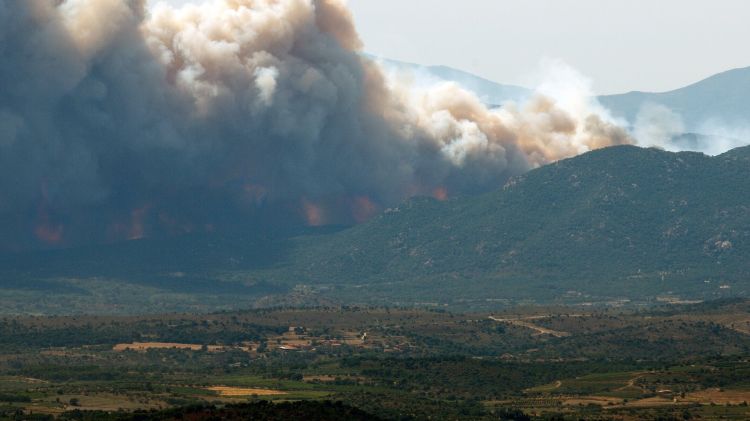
(657,125)
(722,136)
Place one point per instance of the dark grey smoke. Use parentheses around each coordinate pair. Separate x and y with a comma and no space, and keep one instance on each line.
(118,122)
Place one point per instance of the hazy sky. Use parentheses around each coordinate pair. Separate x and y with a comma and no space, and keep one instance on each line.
(620,44)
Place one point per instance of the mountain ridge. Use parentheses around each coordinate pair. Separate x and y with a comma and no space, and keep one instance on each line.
(718,99)
(538,227)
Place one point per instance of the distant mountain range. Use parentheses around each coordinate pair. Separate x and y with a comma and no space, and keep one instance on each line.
(622,223)
(490,92)
(722,99)
(708,107)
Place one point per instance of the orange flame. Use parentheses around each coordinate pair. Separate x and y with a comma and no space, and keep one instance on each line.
(440,193)
(45,230)
(313,213)
(51,234)
(137,217)
(132,229)
(363,209)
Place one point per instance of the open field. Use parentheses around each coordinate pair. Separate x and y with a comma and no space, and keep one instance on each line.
(718,397)
(145,346)
(240,391)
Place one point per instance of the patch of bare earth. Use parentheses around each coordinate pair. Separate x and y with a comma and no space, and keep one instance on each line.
(718,396)
(589,400)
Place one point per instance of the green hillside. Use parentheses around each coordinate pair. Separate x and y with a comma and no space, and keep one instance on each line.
(619,222)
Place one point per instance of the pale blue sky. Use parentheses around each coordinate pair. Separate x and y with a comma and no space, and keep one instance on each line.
(620,44)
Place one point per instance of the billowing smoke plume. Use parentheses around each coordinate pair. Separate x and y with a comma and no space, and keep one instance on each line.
(118,121)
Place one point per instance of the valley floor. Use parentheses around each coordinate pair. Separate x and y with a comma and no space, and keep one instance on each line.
(670,362)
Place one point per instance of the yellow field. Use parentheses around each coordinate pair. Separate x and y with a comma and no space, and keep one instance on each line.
(241,391)
(720,397)
(143,346)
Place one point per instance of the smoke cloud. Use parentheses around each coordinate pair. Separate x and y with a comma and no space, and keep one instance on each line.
(119,121)
(657,125)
